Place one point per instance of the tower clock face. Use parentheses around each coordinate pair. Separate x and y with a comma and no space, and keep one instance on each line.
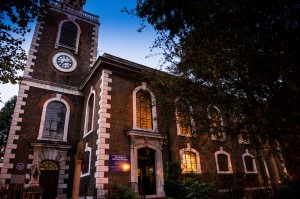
(64,62)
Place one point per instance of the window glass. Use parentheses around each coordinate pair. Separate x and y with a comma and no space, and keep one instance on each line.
(86,163)
(189,162)
(90,113)
(216,124)
(68,34)
(143,110)
(249,163)
(223,162)
(54,120)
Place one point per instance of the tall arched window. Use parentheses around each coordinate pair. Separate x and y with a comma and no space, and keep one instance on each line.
(215,123)
(184,120)
(68,35)
(143,110)
(54,120)
(89,113)
(223,162)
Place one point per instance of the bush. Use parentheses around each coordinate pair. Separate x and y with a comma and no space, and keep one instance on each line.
(120,192)
(178,187)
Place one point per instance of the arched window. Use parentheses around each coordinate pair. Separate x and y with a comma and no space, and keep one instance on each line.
(144,111)
(249,163)
(55,120)
(183,118)
(89,114)
(86,166)
(68,35)
(215,123)
(223,162)
(190,160)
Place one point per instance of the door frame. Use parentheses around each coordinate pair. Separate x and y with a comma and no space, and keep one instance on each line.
(154,142)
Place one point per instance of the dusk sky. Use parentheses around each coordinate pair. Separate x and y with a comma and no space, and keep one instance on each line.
(117,36)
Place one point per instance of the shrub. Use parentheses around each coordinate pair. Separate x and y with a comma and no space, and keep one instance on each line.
(120,192)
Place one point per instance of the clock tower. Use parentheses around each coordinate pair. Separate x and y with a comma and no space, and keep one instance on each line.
(45,128)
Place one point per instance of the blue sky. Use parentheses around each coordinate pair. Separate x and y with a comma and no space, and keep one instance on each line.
(117,36)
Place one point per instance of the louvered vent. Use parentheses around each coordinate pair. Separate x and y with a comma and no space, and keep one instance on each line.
(68,35)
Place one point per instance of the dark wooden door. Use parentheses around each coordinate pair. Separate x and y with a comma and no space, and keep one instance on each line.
(146,169)
(49,182)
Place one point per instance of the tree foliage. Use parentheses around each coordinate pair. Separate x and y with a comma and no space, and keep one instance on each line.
(6,114)
(241,54)
(15,17)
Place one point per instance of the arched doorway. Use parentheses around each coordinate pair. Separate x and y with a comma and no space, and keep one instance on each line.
(146,171)
(49,178)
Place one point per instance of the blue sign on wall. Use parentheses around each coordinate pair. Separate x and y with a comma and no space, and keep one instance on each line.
(119,163)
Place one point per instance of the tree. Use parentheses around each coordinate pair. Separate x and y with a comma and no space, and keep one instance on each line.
(6,115)
(15,17)
(242,54)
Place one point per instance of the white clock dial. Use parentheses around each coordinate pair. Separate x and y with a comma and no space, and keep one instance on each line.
(64,62)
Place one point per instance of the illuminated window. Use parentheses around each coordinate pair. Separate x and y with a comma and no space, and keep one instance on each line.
(48,165)
(183,118)
(144,109)
(223,162)
(216,124)
(249,163)
(190,160)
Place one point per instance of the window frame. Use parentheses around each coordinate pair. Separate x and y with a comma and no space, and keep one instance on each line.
(59,33)
(198,165)
(87,113)
(153,108)
(66,123)
(229,164)
(253,163)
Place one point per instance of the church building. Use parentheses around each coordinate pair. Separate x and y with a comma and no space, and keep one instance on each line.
(83,123)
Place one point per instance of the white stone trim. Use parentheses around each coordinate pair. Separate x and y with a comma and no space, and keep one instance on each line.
(103,125)
(12,133)
(94,45)
(153,110)
(89,149)
(50,87)
(198,164)
(34,44)
(253,162)
(59,31)
(230,170)
(66,124)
